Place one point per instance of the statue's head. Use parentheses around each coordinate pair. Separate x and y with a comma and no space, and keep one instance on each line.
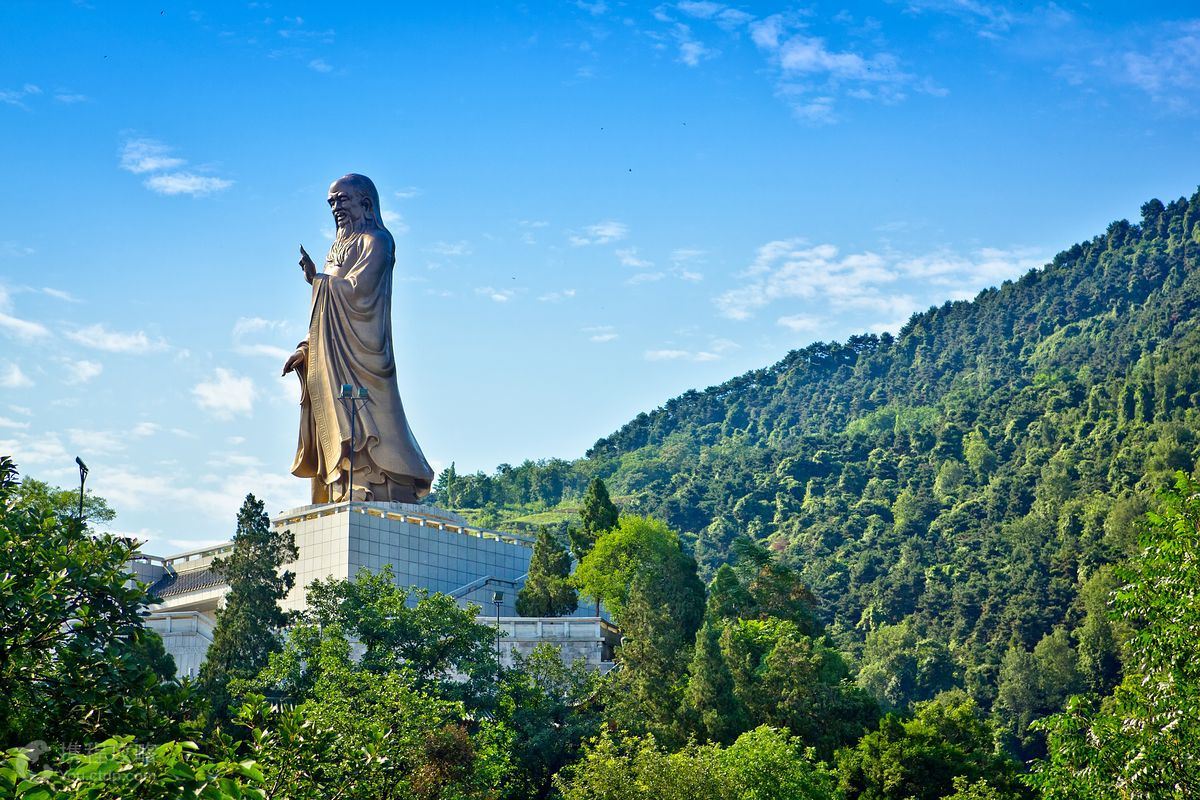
(354,201)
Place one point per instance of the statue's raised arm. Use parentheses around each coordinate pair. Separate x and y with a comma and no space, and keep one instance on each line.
(350,342)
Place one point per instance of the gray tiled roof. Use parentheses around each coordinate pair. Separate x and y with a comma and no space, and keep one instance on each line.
(184,582)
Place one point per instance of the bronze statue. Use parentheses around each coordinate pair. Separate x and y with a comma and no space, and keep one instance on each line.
(350,342)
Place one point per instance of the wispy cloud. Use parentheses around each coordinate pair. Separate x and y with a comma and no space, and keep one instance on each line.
(248,327)
(95,441)
(799,323)
(11,377)
(600,233)
(395,223)
(142,156)
(407,193)
(451,249)
(81,371)
(600,333)
(59,294)
(596,9)
(173,183)
(17,97)
(22,328)
(147,155)
(629,258)
(99,337)
(320,65)
(496,295)
(1167,66)
(680,355)
(812,75)
(225,394)
(554,297)
(5,422)
(792,269)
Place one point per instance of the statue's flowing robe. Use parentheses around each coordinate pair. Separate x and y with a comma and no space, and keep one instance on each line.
(350,342)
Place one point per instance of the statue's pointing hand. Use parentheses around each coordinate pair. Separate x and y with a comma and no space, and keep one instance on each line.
(306,264)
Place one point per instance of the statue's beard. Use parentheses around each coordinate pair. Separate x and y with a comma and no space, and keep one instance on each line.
(347,227)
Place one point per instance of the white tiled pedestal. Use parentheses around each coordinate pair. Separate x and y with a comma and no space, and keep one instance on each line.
(427,547)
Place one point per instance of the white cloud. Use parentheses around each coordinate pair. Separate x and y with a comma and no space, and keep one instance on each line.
(596,8)
(22,328)
(16,97)
(554,297)
(245,325)
(144,429)
(320,65)
(11,377)
(600,333)
(451,249)
(793,270)
(248,326)
(226,394)
(99,337)
(5,422)
(82,371)
(95,441)
(408,192)
(645,277)
(172,183)
(691,50)
(600,233)
(799,323)
(810,74)
(147,155)
(629,258)
(60,295)
(143,155)
(70,98)
(395,223)
(680,355)
(497,295)
(42,450)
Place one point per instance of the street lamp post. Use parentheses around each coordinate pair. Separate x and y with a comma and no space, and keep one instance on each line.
(83,471)
(352,396)
(497,599)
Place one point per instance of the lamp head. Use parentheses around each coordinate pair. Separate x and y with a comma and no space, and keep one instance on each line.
(497,597)
(82,466)
(347,392)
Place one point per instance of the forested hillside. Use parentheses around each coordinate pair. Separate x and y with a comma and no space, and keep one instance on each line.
(963,484)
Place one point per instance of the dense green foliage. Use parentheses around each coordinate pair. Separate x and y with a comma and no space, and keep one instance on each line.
(76,661)
(969,478)
(548,591)
(597,515)
(250,625)
(1143,740)
(764,764)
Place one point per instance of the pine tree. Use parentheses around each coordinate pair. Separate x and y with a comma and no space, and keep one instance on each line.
(248,627)
(727,597)
(597,515)
(548,591)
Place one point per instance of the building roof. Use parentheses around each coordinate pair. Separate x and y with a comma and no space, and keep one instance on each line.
(177,583)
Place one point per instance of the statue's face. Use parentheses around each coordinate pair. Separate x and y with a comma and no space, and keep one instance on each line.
(348,209)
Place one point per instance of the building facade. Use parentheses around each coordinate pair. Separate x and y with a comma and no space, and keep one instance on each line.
(426,547)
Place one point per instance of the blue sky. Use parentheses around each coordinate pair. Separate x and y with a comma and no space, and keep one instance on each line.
(597,206)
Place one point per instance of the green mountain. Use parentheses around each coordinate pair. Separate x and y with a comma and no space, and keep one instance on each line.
(970,477)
